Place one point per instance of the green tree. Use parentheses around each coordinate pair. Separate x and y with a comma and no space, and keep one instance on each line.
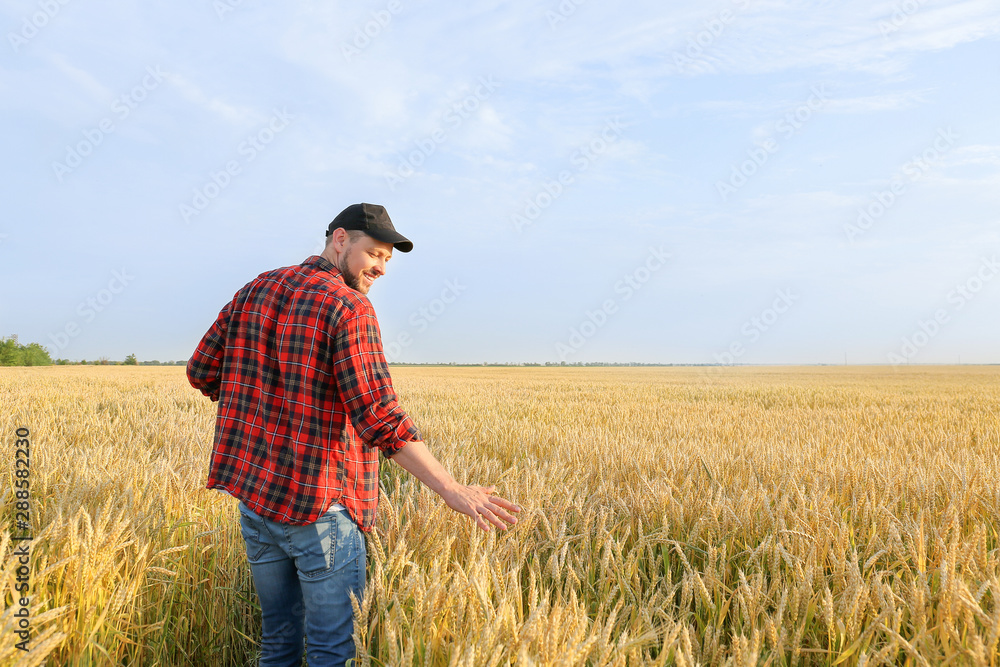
(34,354)
(14,354)
(8,352)
(130,360)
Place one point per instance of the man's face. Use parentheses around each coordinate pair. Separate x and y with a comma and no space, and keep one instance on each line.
(363,261)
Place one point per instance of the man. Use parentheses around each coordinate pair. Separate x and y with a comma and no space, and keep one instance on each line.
(306,403)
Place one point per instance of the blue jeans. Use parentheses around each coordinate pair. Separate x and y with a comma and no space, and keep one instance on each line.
(303,576)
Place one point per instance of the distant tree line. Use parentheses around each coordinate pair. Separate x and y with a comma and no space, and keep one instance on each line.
(13,353)
(130,360)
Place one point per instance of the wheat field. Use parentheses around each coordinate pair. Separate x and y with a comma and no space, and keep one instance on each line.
(741,516)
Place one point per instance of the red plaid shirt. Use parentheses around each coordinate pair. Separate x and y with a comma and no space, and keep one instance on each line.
(305,398)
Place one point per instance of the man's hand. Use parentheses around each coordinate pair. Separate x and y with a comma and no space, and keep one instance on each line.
(480,504)
(476,501)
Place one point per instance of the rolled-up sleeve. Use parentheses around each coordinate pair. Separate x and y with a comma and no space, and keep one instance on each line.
(204,368)
(362,375)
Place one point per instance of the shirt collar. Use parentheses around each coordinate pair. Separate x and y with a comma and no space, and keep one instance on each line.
(322,263)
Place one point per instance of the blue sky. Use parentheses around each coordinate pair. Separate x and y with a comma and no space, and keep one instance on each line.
(736,181)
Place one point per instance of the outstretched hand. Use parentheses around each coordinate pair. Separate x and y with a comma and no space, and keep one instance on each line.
(481,505)
(477,501)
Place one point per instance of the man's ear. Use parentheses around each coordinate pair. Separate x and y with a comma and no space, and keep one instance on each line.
(339,239)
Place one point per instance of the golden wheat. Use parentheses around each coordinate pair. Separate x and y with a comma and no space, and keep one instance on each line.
(741,516)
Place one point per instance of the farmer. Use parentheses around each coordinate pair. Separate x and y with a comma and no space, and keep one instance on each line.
(305,405)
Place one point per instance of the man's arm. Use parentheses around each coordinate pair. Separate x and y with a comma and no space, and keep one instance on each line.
(365,386)
(362,376)
(204,368)
(476,501)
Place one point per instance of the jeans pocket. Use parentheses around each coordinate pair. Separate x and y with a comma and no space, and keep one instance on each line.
(250,528)
(314,547)
(326,546)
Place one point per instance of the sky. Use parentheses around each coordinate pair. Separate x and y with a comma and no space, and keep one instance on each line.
(724,181)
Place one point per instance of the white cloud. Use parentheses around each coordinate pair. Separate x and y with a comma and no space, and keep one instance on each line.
(488,131)
(769,37)
(82,78)
(214,104)
(977,154)
(870,103)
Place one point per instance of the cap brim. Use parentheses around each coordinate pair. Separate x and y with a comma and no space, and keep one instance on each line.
(398,241)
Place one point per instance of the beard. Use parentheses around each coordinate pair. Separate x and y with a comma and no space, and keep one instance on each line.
(352,280)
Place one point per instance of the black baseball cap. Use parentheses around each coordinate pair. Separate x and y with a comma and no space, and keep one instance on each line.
(373,220)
